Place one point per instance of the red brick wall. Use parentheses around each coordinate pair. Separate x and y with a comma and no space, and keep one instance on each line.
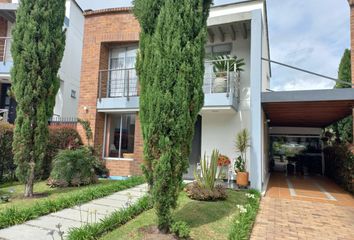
(103,29)
(351,3)
(3,33)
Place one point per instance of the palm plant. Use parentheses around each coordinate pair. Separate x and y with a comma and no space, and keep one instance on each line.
(222,64)
(241,145)
(208,171)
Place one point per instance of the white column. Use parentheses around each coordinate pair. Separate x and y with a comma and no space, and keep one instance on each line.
(256,108)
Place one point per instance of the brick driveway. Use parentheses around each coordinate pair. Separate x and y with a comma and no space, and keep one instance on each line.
(304,208)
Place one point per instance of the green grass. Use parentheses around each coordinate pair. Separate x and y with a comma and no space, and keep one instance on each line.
(16,213)
(40,188)
(208,220)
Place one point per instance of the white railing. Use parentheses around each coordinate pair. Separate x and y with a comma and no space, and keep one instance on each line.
(4,115)
(5,49)
(220,80)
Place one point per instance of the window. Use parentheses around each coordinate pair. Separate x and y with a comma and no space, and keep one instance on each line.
(218,50)
(73,94)
(122,76)
(120,134)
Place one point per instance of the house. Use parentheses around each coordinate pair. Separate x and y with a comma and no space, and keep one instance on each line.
(110,92)
(68,95)
(109,88)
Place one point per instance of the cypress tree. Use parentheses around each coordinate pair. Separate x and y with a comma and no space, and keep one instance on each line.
(171,68)
(344,70)
(37,50)
(344,127)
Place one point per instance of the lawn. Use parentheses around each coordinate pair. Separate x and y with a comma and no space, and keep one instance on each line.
(208,220)
(15,190)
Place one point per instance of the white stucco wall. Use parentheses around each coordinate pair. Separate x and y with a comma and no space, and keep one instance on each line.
(219,131)
(220,126)
(70,70)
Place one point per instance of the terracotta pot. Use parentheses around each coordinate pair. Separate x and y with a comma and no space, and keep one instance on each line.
(242,179)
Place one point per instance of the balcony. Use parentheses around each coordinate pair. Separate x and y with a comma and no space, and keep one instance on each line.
(5,55)
(119,88)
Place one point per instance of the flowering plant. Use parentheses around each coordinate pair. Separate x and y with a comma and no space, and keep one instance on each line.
(223,160)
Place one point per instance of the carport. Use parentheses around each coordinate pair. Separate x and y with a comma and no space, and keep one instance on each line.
(300,116)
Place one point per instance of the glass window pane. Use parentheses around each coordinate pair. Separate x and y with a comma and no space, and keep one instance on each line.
(224,48)
(120,135)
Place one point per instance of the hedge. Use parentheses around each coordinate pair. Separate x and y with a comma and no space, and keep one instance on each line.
(7,167)
(243,223)
(13,215)
(117,219)
(60,138)
(339,162)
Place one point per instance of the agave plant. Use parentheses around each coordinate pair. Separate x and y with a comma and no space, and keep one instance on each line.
(208,171)
(221,64)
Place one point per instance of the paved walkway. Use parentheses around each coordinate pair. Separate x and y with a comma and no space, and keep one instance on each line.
(91,212)
(304,208)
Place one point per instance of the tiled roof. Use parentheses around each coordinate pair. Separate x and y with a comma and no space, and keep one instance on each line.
(107,10)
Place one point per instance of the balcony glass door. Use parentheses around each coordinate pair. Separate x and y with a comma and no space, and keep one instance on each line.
(122,75)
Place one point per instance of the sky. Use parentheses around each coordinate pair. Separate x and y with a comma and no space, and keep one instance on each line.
(309,34)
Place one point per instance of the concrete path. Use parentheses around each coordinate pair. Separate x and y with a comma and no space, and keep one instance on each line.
(94,211)
(304,208)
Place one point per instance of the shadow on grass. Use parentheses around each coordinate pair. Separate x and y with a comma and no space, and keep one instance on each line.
(197,213)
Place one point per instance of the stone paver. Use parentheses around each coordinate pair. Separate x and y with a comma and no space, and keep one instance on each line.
(305,212)
(77,216)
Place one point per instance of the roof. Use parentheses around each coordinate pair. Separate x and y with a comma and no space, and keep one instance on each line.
(107,10)
(311,108)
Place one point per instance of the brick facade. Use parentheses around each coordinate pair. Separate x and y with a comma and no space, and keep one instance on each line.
(351,4)
(3,33)
(105,28)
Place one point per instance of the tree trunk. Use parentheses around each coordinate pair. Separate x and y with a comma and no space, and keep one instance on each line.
(30,182)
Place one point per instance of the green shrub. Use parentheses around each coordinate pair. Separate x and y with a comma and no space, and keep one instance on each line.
(181,229)
(242,224)
(118,218)
(14,215)
(60,138)
(339,162)
(73,168)
(7,166)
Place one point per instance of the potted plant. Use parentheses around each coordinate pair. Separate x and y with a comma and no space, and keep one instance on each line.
(222,66)
(223,163)
(241,145)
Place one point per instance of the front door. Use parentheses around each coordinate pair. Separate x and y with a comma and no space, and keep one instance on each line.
(195,155)
(7,102)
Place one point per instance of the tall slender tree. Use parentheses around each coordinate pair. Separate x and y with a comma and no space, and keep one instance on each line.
(344,127)
(37,50)
(171,69)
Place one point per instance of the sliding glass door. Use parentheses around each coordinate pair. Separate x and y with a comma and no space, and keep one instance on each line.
(120,134)
(122,76)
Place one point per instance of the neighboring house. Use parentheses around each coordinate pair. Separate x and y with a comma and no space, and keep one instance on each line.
(68,95)
(110,91)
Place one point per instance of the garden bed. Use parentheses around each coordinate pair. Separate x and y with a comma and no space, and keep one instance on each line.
(207,220)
